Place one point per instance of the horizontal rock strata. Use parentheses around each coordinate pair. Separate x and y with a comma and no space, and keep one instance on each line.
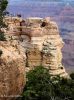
(41,42)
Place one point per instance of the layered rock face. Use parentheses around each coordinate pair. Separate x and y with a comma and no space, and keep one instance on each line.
(41,41)
(12,71)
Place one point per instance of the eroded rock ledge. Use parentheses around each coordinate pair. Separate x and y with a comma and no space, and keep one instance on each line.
(41,42)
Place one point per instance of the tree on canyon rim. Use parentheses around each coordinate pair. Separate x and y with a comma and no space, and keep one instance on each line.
(3,5)
(40,85)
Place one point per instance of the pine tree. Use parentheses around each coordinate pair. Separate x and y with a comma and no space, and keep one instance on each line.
(3,5)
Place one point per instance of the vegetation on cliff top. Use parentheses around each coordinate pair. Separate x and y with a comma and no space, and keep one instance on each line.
(3,5)
(40,86)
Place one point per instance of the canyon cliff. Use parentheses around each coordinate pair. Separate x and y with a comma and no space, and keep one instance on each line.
(41,42)
(30,43)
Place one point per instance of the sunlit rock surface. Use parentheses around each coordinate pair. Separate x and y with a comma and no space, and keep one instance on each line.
(41,42)
(12,71)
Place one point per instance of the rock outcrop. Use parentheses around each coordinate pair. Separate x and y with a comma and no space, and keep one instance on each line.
(12,71)
(41,41)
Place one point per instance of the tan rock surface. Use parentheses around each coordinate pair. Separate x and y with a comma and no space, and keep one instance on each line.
(42,42)
(12,72)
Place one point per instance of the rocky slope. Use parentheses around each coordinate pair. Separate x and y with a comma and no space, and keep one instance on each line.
(12,71)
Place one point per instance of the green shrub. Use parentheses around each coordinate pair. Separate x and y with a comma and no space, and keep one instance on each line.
(72,75)
(3,5)
(64,89)
(2,37)
(41,86)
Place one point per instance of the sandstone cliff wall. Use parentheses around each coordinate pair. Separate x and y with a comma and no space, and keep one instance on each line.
(30,42)
(41,42)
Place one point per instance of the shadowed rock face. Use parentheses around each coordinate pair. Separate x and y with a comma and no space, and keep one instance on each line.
(12,72)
